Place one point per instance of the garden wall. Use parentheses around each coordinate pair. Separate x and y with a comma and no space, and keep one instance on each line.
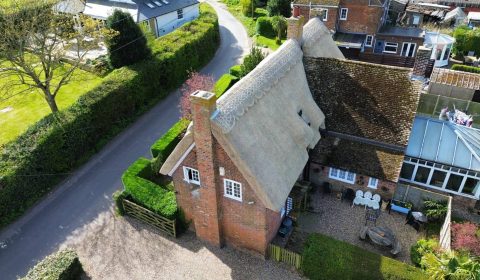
(43,156)
(416,196)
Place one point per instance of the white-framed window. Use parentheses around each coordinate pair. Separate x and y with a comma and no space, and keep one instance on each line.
(180,13)
(390,47)
(325,15)
(408,49)
(342,175)
(372,182)
(191,175)
(369,41)
(232,189)
(343,13)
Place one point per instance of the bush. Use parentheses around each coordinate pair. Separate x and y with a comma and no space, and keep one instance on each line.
(146,193)
(264,27)
(435,210)
(466,40)
(247,9)
(464,238)
(279,7)
(236,70)
(327,258)
(422,247)
(224,83)
(63,265)
(57,145)
(130,44)
(251,61)
(466,68)
(118,196)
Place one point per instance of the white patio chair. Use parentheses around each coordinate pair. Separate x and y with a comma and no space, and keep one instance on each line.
(373,204)
(376,197)
(368,195)
(359,200)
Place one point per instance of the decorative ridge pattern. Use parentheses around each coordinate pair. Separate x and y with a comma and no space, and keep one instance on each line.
(251,88)
(313,30)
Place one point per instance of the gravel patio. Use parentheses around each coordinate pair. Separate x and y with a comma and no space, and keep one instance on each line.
(339,220)
(113,247)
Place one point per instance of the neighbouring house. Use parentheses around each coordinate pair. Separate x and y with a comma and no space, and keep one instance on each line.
(455,84)
(416,15)
(473,19)
(159,16)
(455,17)
(235,167)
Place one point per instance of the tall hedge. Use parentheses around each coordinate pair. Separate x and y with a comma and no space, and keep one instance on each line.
(63,265)
(41,157)
(466,68)
(264,27)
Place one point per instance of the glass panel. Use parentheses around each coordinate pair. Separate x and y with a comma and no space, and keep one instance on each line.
(471,186)
(341,174)
(404,49)
(411,51)
(407,171)
(454,182)
(416,137)
(422,174)
(431,141)
(437,178)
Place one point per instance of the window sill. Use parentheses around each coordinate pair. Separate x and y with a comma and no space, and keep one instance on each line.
(233,198)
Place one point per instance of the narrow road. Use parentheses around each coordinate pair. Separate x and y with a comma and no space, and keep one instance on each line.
(87,193)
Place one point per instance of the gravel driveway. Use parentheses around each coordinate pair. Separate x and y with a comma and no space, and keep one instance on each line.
(113,247)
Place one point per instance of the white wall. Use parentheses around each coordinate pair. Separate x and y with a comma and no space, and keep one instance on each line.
(168,22)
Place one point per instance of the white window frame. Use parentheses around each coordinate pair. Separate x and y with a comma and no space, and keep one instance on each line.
(341,13)
(366,41)
(187,179)
(325,15)
(234,184)
(391,45)
(335,174)
(372,183)
(410,45)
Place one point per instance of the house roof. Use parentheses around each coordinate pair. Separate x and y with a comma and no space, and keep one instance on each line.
(70,6)
(365,159)
(317,2)
(445,142)
(456,13)
(315,31)
(434,38)
(455,78)
(160,7)
(349,40)
(102,9)
(366,100)
(402,31)
(473,16)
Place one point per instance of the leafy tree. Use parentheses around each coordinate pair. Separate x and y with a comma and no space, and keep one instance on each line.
(34,42)
(466,40)
(195,81)
(248,7)
(279,24)
(251,61)
(130,44)
(279,7)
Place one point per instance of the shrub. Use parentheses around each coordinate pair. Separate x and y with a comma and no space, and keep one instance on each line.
(466,40)
(195,81)
(236,70)
(466,68)
(327,258)
(279,7)
(451,265)
(422,247)
(248,7)
(130,44)
(264,27)
(59,145)
(224,83)
(251,61)
(146,193)
(435,210)
(118,196)
(279,24)
(63,265)
(464,238)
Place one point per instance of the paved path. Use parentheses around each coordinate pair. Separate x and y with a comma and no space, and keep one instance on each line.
(87,193)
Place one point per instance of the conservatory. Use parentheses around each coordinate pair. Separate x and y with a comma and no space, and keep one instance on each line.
(441,45)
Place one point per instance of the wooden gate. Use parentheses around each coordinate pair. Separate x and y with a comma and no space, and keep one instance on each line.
(280,254)
(149,217)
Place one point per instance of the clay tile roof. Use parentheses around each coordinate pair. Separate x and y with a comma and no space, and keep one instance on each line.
(318,2)
(369,101)
(455,78)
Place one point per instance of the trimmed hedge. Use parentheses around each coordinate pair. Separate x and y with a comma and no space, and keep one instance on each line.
(63,265)
(117,199)
(327,258)
(466,68)
(165,145)
(236,70)
(146,193)
(225,82)
(264,27)
(41,157)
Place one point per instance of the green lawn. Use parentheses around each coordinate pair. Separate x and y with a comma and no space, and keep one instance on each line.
(26,109)
(328,258)
(267,42)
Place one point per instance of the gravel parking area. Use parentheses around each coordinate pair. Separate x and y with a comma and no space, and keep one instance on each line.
(113,247)
(339,220)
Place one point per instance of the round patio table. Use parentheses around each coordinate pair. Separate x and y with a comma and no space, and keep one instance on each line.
(381,236)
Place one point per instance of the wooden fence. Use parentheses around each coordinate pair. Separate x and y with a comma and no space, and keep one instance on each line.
(445,232)
(393,60)
(147,216)
(280,254)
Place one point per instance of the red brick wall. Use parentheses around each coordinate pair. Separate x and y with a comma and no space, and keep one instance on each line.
(385,189)
(331,16)
(245,225)
(361,18)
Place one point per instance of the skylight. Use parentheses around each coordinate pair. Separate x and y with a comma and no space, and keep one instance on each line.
(149,5)
(165,1)
(157,3)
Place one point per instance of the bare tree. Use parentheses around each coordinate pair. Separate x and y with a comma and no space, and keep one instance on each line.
(40,47)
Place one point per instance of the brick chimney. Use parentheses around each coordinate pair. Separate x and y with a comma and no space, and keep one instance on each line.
(206,207)
(295,28)
(422,61)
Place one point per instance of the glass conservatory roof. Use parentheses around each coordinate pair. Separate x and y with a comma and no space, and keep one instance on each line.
(445,142)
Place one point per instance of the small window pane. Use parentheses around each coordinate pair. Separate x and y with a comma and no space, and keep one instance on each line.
(438,177)
(454,182)
(471,186)
(350,176)
(333,172)
(341,174)
(422,174)
(407,171)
